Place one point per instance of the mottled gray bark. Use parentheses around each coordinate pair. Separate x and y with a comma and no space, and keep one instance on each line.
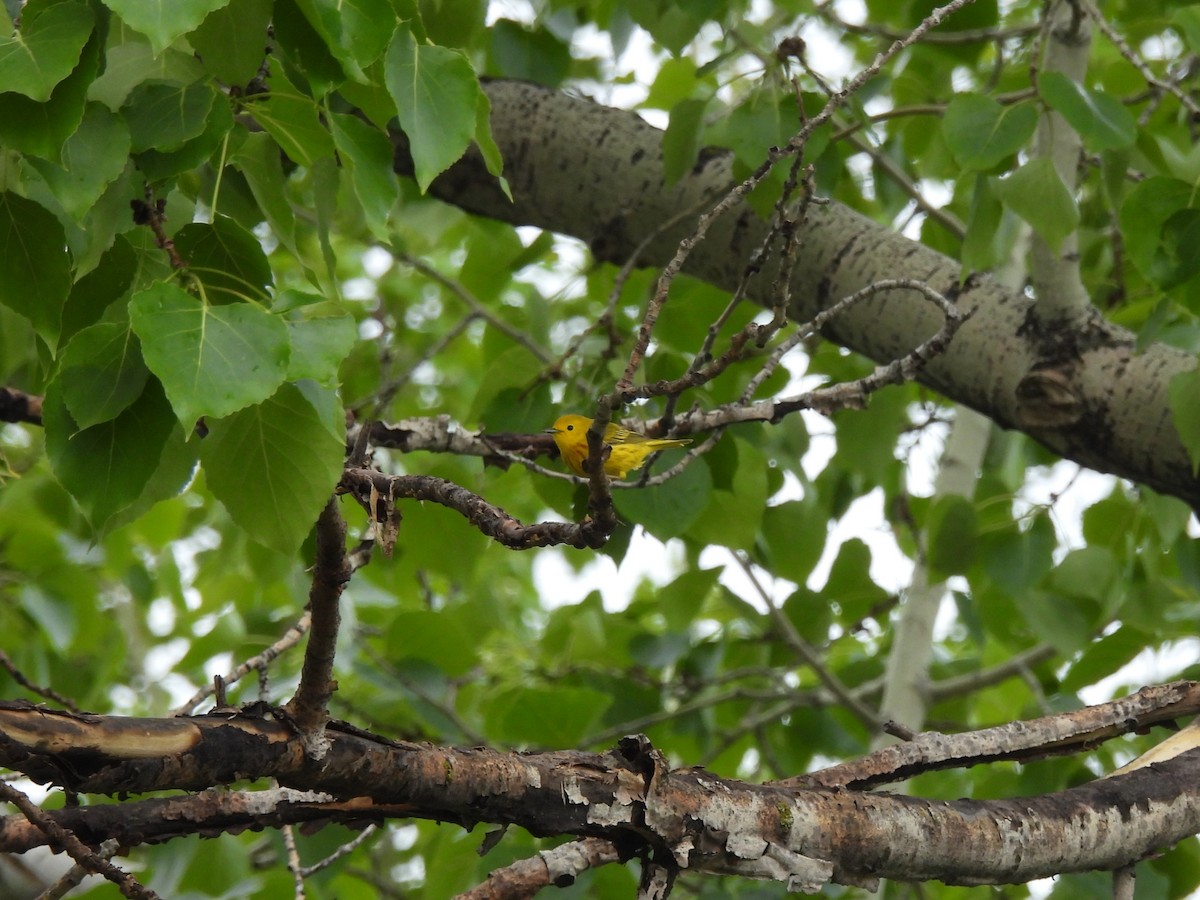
(582,169)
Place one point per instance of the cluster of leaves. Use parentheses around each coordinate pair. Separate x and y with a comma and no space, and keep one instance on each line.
(252,137)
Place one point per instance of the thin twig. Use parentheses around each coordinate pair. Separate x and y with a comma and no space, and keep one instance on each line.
(344,850)
(739,192)
(293,860)
(258,662)
(84,855)
(74,876)
(478,308)
(807,652)
(1132,57)
(19,677)
(888,166)
(963,36)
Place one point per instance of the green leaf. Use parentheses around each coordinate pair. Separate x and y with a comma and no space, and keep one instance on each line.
(92,159)
(733,517)
(319,346)
(126,65)
(1185,412)
(212,360)
(982,134)
(273,466)
(232,40)
(35,268)
(436,96)
(1017,560)
(1101,119)
(92,294)
(1061,623)
(158,165)
(106,467)
(46,48)
(528,54)
(1156,218)
(102,373)
(55,618)
(655,651)
(367,154)
(953,536)
(486,144)
(163,20)
(681,140)
(548,716)
(164,117)
(1186,20)
(676,80)
(176,467)
(680,603)
(446,638)
(41,128)
(507,399)
(1089,573)
(227,260)
(292,119)
(355,31)
(1036,193)
(850,585)
(258,160)
(671,508)
(980,247)
(795,534)
(767,119)
(304,47)
(326,179)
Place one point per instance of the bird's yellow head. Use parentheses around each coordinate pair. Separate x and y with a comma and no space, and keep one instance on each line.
(570,434)
(570,425)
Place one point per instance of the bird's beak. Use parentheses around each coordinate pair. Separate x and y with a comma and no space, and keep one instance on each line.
(550,431)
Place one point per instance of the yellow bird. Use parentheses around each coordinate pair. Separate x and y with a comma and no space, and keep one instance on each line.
(625,450)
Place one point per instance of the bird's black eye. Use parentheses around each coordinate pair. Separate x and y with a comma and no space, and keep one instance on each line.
(570,428)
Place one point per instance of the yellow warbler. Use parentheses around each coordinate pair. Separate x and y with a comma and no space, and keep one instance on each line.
(624,450)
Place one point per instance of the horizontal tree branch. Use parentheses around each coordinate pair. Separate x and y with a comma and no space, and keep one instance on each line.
(207,813)
(1087,393)
(488,518)
(802,836)
(1058,735)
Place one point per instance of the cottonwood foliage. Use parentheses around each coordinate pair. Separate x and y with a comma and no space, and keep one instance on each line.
(207,259)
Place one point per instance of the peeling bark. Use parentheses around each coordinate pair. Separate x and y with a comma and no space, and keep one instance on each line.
(803,836)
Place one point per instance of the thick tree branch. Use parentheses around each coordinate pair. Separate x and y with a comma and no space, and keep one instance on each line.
(802,836)
(580,168)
